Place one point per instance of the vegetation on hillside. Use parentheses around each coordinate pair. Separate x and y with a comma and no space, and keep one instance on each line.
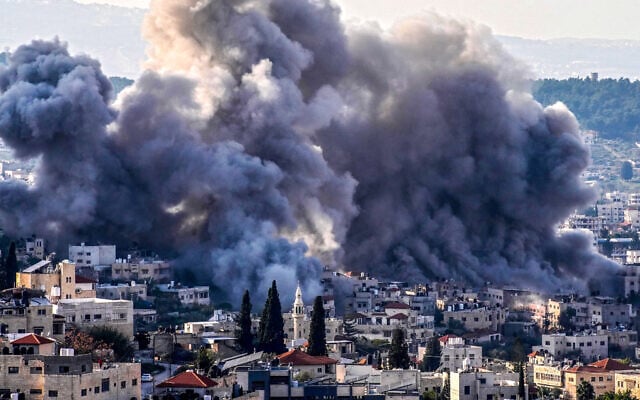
(608,106)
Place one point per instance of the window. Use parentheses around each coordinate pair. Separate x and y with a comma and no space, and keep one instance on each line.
(53,393)
(319,370)
(97,316)
(123,384)
(63,369)
(42,312)
(13,370)
(105,385)
(96,389)
(600,379)
(35,370)
(593,379)
(467,390)
(35,391)
(134,382)
(83,392)
(87,317)
(483,381)
(38,330)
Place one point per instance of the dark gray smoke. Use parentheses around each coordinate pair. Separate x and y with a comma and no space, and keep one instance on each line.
(266,137)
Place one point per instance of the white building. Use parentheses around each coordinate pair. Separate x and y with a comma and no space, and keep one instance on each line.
(89,256)
(612,211)
(455,352)
(591,347)
(475,385)
(122,291)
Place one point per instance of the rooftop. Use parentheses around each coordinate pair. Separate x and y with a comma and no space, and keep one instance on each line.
(297,357)
(33,339)
(188,379)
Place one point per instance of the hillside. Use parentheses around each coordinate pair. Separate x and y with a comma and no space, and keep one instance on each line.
(609,106)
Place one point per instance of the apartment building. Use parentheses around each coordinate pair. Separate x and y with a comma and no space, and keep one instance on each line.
(600,374)
(474,385)
(89,313)
(18,316)
(57,281)
(85,255)
(455,353)
(122,291)
(187,295)
(589,346)
(141,269)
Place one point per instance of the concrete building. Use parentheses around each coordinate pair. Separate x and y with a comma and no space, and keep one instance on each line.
(84,255)
(196,295)
(58,282)
(628,381)
(475,385)
(38,316)
(608,312)
(122,291)
(477,317)
(42,374)
(315,366)
(89,313)
(454,353)
(548,376)
(141,269)
(298,316)
(589,346)
(600,374)
(35,248)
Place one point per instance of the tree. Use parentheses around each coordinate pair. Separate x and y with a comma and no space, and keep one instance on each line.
(521,372)
(80,342)
(617,396)
(317,330)
(565,319)
(399,351)
(626,171)
(272,323)
(11,265)
(243,334)
(349,327)
(204,360)
(585,391)
(518,353)
(431,359)
(114,340)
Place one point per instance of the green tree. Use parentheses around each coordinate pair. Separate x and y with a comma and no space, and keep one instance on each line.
(243,333)
(626,171)
(317,330)
(626,395)
(204,360)
(11,265)
(431,359)
(272,323)
(518,353)
(565,319)
(521,372)
(399,351)
(113,339)
(585,391)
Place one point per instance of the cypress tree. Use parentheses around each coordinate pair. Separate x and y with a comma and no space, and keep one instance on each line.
(399,351)
(445,393)
(11,265)
(243,334)
(431,360)
(521,381)
(272,323)
(262,334)
(317,334)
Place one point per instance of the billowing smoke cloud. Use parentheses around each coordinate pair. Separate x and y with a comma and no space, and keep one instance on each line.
(266,138)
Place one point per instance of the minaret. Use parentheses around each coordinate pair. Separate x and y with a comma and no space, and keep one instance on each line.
(298,314)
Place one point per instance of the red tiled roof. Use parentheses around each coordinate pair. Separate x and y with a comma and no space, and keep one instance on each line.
(188,379)
(609,364)
(397,305)
(534,354)
(82,279)
(445,339)
(398,316)
(604,365)
(297,357)
(33,339)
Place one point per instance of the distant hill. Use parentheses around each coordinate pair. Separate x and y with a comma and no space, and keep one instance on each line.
(609,106)
(108,33)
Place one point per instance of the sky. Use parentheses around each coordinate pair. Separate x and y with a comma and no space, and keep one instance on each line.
(536,19)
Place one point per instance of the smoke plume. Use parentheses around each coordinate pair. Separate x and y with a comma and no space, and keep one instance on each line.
(267,138)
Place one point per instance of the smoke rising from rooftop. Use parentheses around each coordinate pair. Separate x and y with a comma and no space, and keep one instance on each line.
(267,138)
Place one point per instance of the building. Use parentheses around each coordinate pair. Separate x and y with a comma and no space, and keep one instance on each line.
(190,383)
(58,282)
(548,376)
(36,315)
(608,312)
(454,353)
(89,313)
(475,385)
(628,381)
(92,255)
(298,316)
(587,346)
(600,374)
(196,295)
(315,366)
(477,317)
(141,269)
(35,248)
(122,291)
(41,374)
